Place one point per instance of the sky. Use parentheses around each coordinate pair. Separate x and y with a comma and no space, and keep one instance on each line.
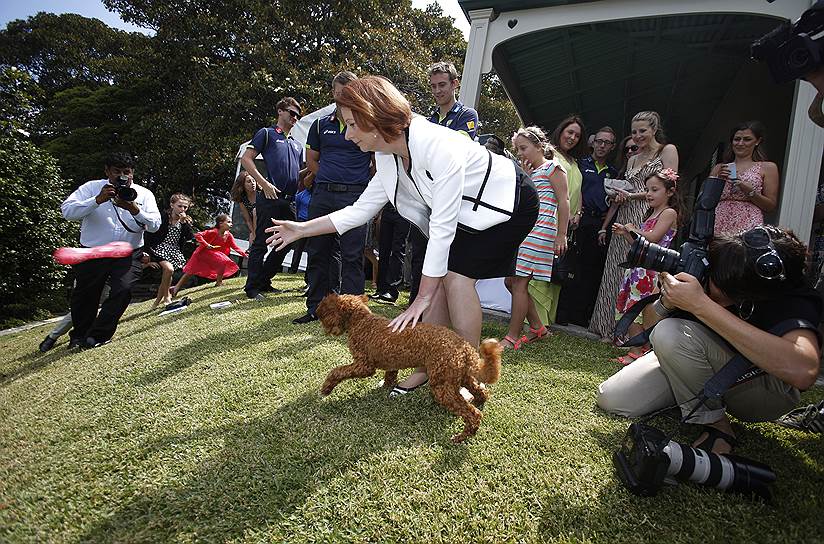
(20,9)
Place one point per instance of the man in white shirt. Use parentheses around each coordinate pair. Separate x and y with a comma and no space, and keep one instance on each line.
(108,213)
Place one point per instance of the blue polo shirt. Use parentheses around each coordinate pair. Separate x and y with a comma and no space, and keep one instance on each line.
(302,200)
(341,161)
(459,118)
(282,156)
(594,198)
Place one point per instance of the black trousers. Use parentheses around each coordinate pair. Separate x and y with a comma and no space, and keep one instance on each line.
(262,271)
(90,278)
(320,249)
(392,250)
(418,243)
(577,301)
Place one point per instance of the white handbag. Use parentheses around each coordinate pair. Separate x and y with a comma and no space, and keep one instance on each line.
(611,186)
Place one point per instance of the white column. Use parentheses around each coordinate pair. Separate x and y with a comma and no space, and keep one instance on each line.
(803,166)
(471,77)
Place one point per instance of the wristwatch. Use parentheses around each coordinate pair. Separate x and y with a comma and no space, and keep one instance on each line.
(661,310)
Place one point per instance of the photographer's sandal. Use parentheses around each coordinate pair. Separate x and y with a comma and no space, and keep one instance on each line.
(632,356)
(398,390)
(713,436)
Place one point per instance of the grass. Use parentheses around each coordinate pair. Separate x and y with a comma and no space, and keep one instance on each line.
(207,426)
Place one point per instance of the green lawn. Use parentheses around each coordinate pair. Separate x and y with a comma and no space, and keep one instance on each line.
(207,426)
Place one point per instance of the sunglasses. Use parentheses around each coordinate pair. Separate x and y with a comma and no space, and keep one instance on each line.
(631,149)
(294,114)
(768,265)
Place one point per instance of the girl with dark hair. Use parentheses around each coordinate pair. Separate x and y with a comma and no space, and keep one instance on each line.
(660,225)
(753,181)
(653,155)
(211,258)
(244,193)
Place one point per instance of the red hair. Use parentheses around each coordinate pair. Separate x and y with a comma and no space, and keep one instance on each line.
(377,105)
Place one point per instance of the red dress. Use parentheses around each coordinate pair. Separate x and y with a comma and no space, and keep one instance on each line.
(207,262)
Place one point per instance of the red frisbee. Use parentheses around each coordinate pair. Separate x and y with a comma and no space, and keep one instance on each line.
(76,255)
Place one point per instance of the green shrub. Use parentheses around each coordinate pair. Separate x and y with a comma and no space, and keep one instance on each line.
(31,228)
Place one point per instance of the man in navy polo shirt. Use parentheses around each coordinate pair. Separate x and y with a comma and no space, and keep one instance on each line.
(449,112)
(578,297)
(282,156)
(342,172)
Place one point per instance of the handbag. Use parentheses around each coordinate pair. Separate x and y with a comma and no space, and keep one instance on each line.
(563,267)
(611,186)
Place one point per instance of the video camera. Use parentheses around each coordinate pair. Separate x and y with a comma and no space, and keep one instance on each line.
(793,49)
(123,190)
(692,258)
(648,457)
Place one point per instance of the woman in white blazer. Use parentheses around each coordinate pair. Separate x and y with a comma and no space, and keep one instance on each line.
(475,207)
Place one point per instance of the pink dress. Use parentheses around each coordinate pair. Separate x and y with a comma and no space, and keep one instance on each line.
(735,213)
(206,262)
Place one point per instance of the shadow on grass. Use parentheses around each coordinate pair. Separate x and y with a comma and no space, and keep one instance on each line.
(269,467)
(203,348)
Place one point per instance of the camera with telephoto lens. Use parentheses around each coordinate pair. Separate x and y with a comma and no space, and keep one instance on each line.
(692,258)
(793,49)
(123,190)
(648,458)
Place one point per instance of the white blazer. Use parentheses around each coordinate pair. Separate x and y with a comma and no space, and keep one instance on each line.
(455,183)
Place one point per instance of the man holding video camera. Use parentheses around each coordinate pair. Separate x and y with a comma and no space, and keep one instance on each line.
(110,209)
(755,284)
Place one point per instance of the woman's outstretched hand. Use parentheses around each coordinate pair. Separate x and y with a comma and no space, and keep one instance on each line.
(411,316)
(283,233)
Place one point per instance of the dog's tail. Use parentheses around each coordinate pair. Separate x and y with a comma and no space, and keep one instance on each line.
(489,370)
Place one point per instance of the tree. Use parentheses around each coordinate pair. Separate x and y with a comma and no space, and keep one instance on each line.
(31,226)
(495,110)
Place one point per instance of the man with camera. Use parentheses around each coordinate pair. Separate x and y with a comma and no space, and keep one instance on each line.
(111,209)
(756,304)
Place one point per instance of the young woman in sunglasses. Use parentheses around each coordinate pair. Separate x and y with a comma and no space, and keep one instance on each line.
(756,284)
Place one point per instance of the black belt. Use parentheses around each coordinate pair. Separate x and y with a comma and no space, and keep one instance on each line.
(340,187)
(593,213)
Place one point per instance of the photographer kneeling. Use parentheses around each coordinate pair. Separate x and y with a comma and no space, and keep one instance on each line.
(756,282)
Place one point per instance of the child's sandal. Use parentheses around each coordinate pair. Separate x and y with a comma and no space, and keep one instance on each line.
(538,333)
(515,344)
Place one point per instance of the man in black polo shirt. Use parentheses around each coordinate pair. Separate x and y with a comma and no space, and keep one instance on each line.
(578,296)
(449,112)
(282,156)
(342,172)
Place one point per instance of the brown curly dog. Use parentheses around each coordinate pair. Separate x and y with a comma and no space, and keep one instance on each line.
(450,361)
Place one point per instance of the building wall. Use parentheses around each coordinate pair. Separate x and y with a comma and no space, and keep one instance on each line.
(752,96)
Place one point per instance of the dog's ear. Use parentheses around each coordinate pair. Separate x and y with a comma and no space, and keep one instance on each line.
(365,299)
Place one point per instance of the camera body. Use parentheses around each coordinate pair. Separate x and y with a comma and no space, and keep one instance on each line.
(692,257)
(793,49)
(123,190)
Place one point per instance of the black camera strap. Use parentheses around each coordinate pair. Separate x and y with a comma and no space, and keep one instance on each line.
(626,320)
(140,225)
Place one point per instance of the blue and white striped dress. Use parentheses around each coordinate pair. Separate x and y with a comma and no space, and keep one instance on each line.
(537,252)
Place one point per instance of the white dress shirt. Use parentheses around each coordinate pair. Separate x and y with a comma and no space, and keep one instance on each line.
(99,222)
(448,173)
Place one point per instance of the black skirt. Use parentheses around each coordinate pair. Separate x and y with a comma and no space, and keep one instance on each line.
(491,253)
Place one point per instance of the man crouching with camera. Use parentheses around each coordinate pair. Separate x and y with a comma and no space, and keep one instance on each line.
(110,209)
(755,285)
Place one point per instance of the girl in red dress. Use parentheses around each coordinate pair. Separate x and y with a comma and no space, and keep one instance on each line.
(211,258)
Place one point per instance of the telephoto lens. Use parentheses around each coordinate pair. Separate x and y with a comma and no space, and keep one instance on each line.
(726,472)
